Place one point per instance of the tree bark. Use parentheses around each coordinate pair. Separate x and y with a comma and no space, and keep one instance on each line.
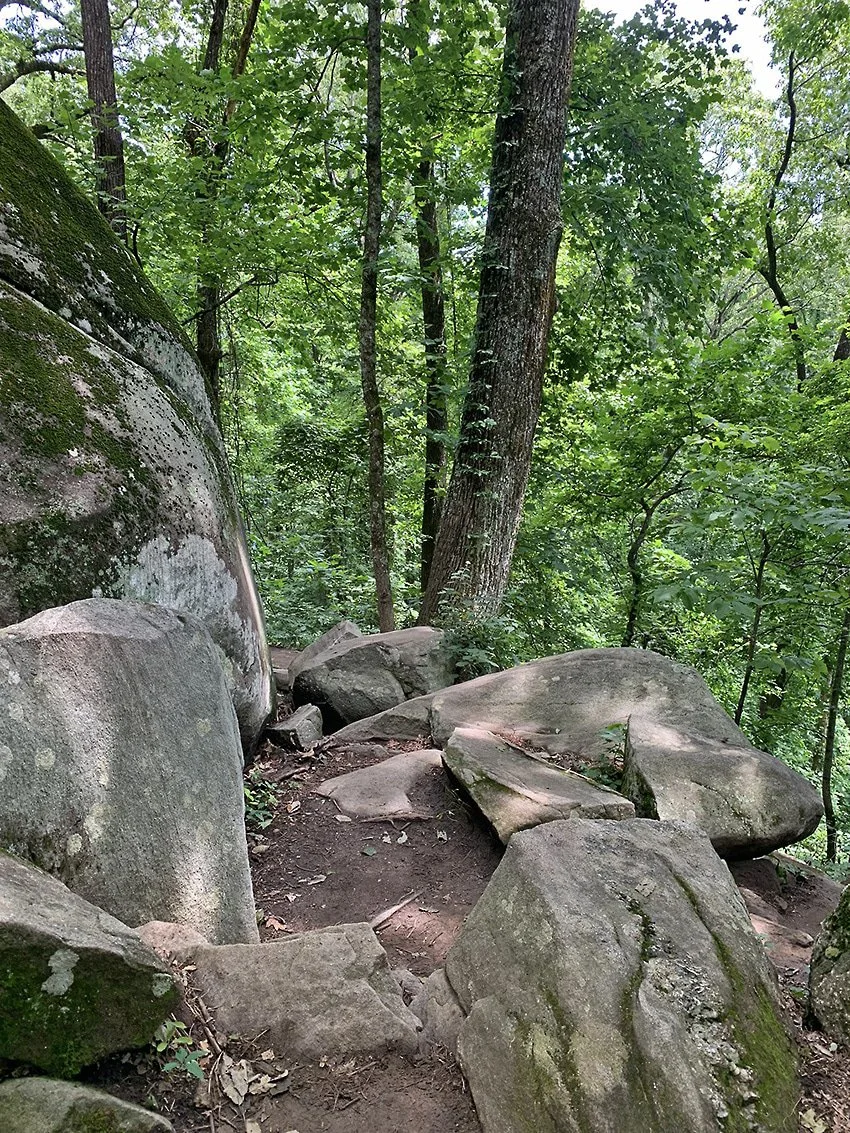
(829,742)
(367,328)
(483,505)
(434,327)
(108,142)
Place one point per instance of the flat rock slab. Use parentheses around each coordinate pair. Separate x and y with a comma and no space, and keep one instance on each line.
(43,1105)
(328,992)
(75,984)
(612,982)
(383,790)
(515,791)
(748,802)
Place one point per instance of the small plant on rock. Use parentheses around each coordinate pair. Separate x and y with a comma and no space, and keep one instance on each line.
(175,1045)
(261,799)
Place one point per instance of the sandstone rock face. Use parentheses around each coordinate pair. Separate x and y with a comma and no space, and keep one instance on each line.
(686,757)
(369,674)
(41,1105)
(301,731)
(829,978)
(515,791)
(383,790)
(326,992)
(75,984)
(121,766)
(336,635)
(748,802)
(612,982)
(113,476)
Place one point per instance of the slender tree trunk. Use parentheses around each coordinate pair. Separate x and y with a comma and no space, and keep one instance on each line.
(752,640)
(434,325)
(368,321)
(829,743)
(483,505)
(108,142)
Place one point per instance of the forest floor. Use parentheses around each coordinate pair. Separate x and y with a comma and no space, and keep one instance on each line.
(416,882)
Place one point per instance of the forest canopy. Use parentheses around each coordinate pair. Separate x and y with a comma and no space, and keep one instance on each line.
(687,489)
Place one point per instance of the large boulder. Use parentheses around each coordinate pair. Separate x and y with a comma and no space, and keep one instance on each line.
(75,984)
(686,758)
(829,976)
(121,766)
(612,982)
(41,1105)
(748,802)
(113,475)
(326,992)
(515,790)
(368,674)
(336,635)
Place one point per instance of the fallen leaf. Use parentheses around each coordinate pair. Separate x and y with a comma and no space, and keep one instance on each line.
(233,1078)
(342,818)
(386,838)
(252,1127)
(269,1056)
(276,924)
(402,838)
(810,1121)
(442,836)
(292,807)
(318,879)
(369,851)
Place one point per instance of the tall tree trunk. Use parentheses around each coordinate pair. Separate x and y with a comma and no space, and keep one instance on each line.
(483,505)
(434,326)
(829,743)
(108,142)
(752,639)
(368,321)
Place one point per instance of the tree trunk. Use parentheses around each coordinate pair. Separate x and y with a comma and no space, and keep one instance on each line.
(368,321)
(829,743)
(434,326)
(752,640)
(483,505)
(108,142)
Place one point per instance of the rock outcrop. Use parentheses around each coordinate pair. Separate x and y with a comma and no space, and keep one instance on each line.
(336,635)
(75,984)
(326,992)
(747,801)
(41,1105)
(829,978)
(612,982)
(364,675)
(686,757)
(515,790)
(113,476)
(121,766)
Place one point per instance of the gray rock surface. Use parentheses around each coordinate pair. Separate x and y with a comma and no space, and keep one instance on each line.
(748,802)
(336,635)
(299,732)
(440,1012)
(326,992)
(383,790)
(121,766)
(113,475)
(358,678)
(829,978)
(170,940)
(612,982)
(574,703)
(42,1105)
(75,984)
(515,790)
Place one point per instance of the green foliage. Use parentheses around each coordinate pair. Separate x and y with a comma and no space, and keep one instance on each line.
(261,800)
(175,1046)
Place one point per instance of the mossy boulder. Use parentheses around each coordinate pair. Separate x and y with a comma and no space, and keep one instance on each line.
(120,764)
(41,1105)
(829,978)
(113,475)
(75,984)
(612,983)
